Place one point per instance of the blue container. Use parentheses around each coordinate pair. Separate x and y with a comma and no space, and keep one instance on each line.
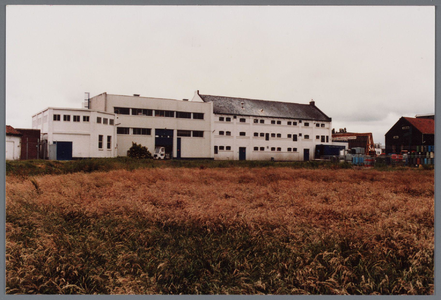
(425,161)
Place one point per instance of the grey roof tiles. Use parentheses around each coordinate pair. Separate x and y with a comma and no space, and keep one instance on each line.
(264,108)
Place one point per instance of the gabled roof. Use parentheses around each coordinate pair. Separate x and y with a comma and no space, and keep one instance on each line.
(11,131)
(425,126)
(264,108)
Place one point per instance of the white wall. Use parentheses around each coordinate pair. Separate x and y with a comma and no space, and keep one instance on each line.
(13,147)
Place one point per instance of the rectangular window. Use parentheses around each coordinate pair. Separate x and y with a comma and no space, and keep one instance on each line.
(122,130)
(262,134)
(56,117)
(111,122)
(294,123)
(242,120)
(198,116)
(198,133)
(105,121)
(184,133)
(215,149)
(256,148)
(273,135)
(109,142)
(121,110)
(221,132)
(242,133)
(306,137)
(66,118)
(183,115)
(294,149)
(273,148)
(294,137)
(289,149)
(221,119)
(100,142)
(256,134)
(322,139)
(98,120)
(317,137)
(262,121)
(279,122)
(317,125)
(262,148)
(279,149)
(228,148)
(221,147)
(289,123)
(279,135)
(306,124)
(256,121)
(142,131)
(76,118)
(228,133)
(165,113)
(142,112)
(85,118)
(227,119)
(273,121)
(322,125)
(289,136)
(327,139)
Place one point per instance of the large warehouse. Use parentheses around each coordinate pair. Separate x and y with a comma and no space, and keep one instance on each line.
(207,126)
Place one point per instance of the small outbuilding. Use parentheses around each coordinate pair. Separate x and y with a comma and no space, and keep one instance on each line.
(13,143)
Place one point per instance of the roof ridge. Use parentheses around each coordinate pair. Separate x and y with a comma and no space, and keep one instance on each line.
(255,99)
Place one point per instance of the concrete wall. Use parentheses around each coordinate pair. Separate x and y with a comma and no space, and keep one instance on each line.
(280,138)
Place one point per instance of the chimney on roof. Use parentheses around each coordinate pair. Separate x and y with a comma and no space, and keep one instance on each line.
(312,102)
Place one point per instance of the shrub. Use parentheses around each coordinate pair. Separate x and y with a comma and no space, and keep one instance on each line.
(139,151)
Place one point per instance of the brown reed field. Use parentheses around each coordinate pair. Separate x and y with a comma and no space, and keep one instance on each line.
(232,230)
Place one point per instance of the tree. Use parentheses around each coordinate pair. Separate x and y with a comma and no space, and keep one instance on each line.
(139,151)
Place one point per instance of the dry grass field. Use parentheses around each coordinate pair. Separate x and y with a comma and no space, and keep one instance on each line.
(221,231)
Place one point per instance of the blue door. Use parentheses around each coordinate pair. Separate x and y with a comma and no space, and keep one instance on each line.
(64,150)
(305,154)
(242,153)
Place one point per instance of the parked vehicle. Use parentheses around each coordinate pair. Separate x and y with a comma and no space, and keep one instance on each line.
(159,153)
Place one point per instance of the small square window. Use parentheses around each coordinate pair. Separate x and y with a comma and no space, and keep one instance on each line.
(256,121)
(317,125)
(294,149)
(306,124)
(227,119)
(289,149)
(111,122)
(317,137)
(279,135)
(56,117)
(262,121)
(85,118)
(105,121)
(294,123)
(273,135)
(279,149)
(279,122)
(273,121)
(289,136)
(66,118)
(256,148)
(242,133)
(221,119)
(228,133)
(322,125)
(228,148)
(242,120)
(289,123)
(76,118)
(221,132)
(262,134)
(306,137)
(262,148)
(221,147)
(98,120)
(256,134)
(273,148)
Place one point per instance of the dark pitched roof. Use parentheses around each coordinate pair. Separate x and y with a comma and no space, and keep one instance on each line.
(264,108)
(425,126)
(11,131)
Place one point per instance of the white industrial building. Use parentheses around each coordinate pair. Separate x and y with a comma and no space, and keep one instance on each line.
(68,133)
(207,126)
(263,130)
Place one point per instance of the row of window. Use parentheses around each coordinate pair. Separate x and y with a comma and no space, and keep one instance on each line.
(158,113)
(273,122)
(100,142)
(77,118)
(148,131)
(278,149)
(323,138)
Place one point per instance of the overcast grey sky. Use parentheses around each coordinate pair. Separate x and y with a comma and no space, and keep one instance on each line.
(365,67)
